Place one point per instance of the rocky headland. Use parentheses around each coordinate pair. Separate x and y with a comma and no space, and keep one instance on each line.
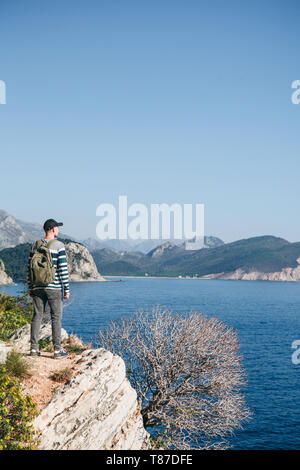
(285,275)
(5,279)
(82,267)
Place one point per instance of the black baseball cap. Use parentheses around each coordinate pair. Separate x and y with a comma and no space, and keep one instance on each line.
(51,223)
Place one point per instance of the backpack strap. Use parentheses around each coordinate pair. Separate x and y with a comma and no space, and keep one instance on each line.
(50,243)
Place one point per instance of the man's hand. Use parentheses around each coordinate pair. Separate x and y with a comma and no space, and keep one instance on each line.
(66,295)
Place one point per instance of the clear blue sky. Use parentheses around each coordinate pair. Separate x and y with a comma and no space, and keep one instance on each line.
(163,101)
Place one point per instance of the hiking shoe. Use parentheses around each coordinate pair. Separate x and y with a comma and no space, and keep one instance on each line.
(60,354)
(35,352)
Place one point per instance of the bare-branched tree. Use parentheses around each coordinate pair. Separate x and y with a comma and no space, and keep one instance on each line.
(187,372)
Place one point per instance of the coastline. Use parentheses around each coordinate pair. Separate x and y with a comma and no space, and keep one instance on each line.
(209,278)
(153,277)
(120,278)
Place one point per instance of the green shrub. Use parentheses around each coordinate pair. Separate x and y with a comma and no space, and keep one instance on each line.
(16,365)
(9,322)
(21,304)
(74,349)
(16,415)
(15,312)
(45,344)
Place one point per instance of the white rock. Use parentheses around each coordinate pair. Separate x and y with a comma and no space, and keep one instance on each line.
(97,409)
(5,280)
(4,350)
(81,265)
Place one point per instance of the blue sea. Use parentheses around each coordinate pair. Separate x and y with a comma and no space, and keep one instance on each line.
(265,314)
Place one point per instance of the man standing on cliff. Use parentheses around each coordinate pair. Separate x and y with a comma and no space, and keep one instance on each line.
(53,293)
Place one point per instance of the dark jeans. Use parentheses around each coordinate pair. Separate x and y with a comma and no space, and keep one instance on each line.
(40,297)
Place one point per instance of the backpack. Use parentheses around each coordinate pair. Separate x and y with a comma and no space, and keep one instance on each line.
(41,270)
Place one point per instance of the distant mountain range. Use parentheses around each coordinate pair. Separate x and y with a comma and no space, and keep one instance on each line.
(143,246)
(258,258)
(266,257)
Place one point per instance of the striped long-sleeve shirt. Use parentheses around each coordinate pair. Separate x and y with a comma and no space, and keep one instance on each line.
(59,258)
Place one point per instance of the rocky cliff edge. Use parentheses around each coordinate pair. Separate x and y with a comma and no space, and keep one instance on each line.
(97,409)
